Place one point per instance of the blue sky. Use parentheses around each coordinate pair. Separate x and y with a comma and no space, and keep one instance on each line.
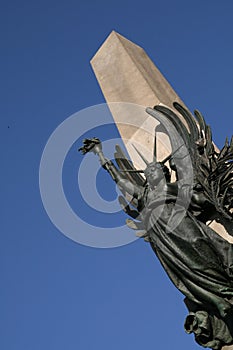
(55,293)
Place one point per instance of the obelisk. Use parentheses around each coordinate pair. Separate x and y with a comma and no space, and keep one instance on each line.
(126,74)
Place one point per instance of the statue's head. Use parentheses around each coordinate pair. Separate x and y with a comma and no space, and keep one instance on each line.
(155,172)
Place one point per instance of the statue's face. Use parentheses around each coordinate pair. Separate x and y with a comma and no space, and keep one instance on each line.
(154,174)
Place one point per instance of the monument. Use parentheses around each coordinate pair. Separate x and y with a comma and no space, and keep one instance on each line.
(174,198)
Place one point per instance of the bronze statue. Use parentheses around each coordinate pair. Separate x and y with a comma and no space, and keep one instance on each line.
(173,215)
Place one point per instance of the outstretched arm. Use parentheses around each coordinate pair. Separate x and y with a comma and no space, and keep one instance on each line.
(125,186)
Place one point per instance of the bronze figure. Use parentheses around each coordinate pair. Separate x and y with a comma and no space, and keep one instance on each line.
(173,217)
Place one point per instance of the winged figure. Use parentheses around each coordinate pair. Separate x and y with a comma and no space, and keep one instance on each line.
(174,215)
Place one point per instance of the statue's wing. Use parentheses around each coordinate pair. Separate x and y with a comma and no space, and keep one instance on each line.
(128,209)
(221,180)
(212,169)
(180,139)
(129,172)
(127,168)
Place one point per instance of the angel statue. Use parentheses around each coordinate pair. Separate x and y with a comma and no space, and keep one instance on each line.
(173,213)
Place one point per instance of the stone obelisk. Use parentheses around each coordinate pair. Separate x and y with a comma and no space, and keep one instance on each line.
(127,75)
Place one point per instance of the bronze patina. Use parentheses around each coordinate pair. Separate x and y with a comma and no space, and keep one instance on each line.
(173,216)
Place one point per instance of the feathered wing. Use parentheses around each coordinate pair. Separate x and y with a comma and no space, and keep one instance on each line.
(127,168)
(220,180)
(129,172)
(211,168)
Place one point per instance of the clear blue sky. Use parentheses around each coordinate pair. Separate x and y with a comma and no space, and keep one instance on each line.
(57,294)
